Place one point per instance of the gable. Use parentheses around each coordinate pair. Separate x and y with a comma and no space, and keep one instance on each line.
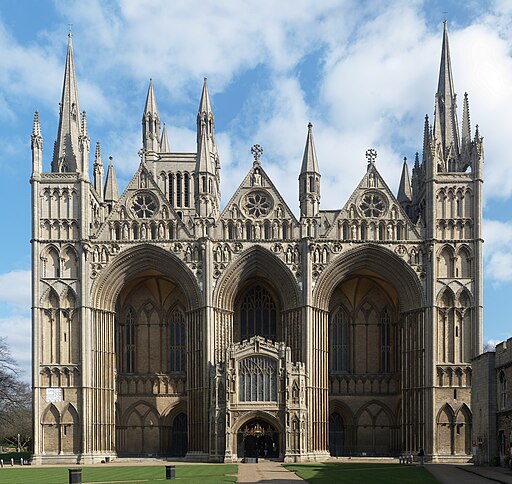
(258,200)
(373,204)
(142,212)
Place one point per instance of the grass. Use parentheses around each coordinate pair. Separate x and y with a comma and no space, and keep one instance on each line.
(206,474)
(362,473)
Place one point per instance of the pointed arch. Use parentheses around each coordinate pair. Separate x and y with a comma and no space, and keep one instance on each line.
(70,263)
(51,263)
(464,260)
(445,259)
(257,263)
(135,260)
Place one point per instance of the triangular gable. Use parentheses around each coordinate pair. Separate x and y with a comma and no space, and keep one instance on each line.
(373,201)
(129,207)
(257,198)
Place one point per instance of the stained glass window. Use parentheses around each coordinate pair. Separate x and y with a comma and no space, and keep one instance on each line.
(258,315)
(258,379)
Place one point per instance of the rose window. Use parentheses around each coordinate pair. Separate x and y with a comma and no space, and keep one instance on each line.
(372,205)
(257,204)
(144,205)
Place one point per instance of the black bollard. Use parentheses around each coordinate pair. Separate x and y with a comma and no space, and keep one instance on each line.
(75,476)
(170,473)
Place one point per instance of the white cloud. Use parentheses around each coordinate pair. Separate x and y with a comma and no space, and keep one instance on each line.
(498,250)
(15,289)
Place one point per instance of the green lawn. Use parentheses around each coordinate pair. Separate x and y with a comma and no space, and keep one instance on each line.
(362,473)
(205,474)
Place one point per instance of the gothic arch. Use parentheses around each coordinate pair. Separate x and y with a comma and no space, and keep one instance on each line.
(260,263)
(445,260)
(258,414)
(374,258)
(138,259)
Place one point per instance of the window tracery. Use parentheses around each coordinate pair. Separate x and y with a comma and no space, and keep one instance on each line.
(177,338)
(372,205)
(144,205)
(258,315)
(257,204)
(385,342)
(338,341)
(258,379)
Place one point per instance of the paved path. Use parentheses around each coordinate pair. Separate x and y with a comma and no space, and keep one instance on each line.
(468,474)
(266,471)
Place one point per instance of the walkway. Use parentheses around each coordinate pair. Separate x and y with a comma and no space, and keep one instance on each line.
(469,474)
(266,471)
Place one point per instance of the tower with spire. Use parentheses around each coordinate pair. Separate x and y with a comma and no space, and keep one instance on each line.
(207,183)
(165,325)
(309,180)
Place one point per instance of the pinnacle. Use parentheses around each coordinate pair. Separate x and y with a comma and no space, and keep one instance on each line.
(309,160)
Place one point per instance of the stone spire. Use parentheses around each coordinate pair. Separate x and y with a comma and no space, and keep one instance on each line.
(207,166)
(37,146)
(111,191)
(99,172)
(466,125)
(164,142)
(309,179)
(446,130)
(404,195)
(151,122)
(309,160)
(66,145)
(84,145)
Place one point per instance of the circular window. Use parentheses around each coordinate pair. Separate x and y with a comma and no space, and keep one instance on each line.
(257,204)
(144,205)
(372,205)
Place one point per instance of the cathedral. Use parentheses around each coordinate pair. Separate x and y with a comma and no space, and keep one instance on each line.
(168,324)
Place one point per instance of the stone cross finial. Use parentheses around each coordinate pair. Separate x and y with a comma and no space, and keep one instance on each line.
(257,151)
(371,156)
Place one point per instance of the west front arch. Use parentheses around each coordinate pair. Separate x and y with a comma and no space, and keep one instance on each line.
(371,304)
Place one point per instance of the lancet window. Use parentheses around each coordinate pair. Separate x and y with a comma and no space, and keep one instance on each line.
(129,332)
(177,338)
(503,391)
(385,342)
(258,379)
(338,341)
(258,315)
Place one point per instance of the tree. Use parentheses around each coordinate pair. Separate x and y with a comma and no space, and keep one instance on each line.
(15,402)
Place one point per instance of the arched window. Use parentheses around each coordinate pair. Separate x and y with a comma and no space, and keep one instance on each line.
(336,434)
(177,339)
(186,189)
(129,332)
(338,341)
(266,230)
(285,230)
(385,342)
(171,189)
(248,231)
(258,379)
(231,231)
(345,232)
(258,315)
(503,391)
(178,190)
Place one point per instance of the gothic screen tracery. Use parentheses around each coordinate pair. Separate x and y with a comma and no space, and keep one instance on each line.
(258,379)
(258,314)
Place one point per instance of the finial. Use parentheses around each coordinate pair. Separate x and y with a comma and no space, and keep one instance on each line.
(256,151)
(310,125)
(110,160)
(371,156)
(70,34)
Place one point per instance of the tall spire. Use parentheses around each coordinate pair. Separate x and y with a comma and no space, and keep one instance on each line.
(99,172)
(207,162)
(309,179)
(37,146)
(164,142)
(205,119)
(111,191)
(151,122)
(466,125)
(446,130)
(309,160)
(66,145)
(404,195)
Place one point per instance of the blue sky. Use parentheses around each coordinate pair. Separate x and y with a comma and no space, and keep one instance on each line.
(364,73)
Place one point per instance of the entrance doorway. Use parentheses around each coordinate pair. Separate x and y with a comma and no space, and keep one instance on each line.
(258,438)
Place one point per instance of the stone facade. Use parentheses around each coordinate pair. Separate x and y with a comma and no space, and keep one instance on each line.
(165,325)
(492,405)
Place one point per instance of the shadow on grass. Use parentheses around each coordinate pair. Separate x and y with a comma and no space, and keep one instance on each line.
(362,473)
(205,474)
